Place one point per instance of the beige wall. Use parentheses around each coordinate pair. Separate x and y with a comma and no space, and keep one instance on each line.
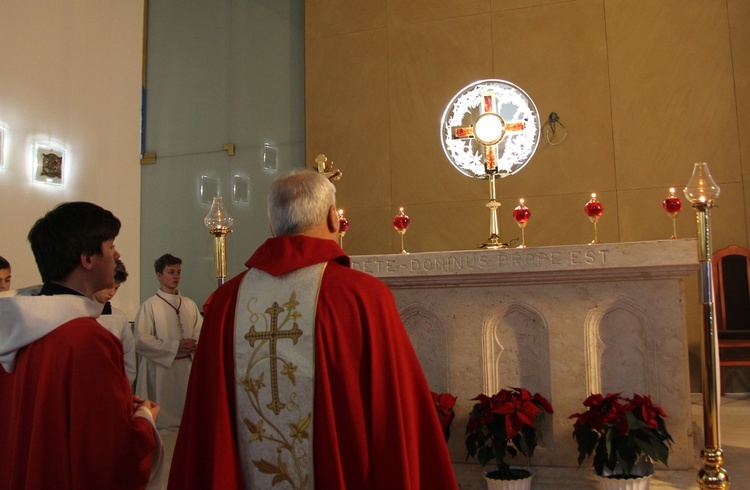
(645,88)
(71,74)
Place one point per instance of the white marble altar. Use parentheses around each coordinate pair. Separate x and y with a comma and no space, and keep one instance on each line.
(564,321)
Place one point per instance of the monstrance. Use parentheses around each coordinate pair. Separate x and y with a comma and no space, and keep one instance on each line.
(490,130)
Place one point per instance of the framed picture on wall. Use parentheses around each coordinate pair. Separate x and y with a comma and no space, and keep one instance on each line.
(49,164)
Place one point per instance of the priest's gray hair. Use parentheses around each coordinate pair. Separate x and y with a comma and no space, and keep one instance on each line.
(298,201)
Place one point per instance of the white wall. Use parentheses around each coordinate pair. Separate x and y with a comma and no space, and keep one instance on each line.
(71,75)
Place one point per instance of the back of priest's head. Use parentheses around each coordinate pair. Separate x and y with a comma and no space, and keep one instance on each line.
(298,201)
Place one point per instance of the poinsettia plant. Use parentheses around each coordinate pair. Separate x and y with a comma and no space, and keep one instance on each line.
(444,403)
(507,422)
(620,431)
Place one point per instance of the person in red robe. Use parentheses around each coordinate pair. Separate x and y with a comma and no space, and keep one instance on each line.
(374,422)
(68,419)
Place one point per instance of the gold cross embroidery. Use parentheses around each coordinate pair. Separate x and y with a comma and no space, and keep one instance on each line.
(272,335)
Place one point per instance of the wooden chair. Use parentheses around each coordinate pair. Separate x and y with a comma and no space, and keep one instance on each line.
(731,277)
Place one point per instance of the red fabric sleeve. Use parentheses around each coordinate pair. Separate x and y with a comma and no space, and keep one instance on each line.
(375,424)
(71,415)
(205,455)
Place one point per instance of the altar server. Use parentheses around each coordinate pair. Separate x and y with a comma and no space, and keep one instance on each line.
(167,327)
(67,416)
(4,275)
(116,321)
(305,374)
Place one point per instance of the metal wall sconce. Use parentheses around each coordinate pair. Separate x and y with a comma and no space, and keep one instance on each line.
(241,189)
(209,187)
(270,157)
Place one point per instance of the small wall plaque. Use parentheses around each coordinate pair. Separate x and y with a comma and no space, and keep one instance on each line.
(49,164)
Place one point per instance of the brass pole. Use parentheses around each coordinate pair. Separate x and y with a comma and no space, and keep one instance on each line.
(712,475)
(494,242)
(220,253)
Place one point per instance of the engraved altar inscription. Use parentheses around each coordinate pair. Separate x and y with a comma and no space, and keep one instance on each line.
(537,259)
(461,263)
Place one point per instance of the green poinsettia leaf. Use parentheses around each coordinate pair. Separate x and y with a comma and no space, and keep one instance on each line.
(586,440)
(485,455)
(626,457)
(634,423)
(471,446)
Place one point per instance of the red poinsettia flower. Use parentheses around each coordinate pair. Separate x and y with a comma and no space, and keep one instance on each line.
(649,412)
(618,431)
(507,422)
(518,410)
(444,403)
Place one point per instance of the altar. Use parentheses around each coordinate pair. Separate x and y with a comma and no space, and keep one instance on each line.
(564,321)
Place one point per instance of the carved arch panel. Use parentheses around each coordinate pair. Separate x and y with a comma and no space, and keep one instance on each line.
(429,337)
(620,349)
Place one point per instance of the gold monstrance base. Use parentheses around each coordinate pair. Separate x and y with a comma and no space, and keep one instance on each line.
(494,242)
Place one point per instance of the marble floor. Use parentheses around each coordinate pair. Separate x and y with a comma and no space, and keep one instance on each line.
(735,441)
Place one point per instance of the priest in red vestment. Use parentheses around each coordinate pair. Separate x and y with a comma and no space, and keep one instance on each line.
(68,419)
(373,426)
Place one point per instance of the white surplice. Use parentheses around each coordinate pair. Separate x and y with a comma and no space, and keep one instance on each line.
(163,373)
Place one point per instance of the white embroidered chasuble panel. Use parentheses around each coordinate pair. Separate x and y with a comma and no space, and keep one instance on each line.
(274,346)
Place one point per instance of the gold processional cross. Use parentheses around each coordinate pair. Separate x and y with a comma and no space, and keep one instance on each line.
(272,335)
(489,129)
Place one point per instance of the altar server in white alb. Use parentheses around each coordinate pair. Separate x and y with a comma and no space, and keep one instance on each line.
(116,321)
(167,328)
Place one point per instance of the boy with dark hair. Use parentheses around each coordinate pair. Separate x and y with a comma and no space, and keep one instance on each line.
(4,275)
(116,321)
(166,334)
(68,417)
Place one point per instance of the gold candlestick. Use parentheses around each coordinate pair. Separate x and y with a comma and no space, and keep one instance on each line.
(218,221)
(702,192)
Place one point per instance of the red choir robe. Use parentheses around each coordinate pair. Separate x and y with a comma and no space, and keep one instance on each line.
(374,422)
(66,412)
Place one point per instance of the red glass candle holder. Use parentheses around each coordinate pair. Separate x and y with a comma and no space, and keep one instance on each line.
(594,211)
(522,215)
(343,227)
(400,223)
(672,205)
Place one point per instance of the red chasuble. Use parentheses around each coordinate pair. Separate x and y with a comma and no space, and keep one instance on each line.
(66,413)
(374,423)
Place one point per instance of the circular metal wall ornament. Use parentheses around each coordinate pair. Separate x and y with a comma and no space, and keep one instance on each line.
(490,127)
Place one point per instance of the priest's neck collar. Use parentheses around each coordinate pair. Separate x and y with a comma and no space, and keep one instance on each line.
(51,289)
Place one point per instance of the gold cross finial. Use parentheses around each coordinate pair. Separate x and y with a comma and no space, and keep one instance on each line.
(326,169)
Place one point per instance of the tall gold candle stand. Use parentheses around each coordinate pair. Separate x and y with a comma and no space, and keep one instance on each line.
(702,192)
(218,221)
